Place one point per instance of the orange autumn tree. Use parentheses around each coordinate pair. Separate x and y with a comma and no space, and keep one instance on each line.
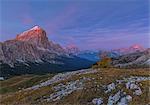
(105,61)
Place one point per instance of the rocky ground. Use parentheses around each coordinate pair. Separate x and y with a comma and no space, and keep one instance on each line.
(84,87)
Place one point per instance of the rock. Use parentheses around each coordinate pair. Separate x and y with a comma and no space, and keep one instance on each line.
(119,81)
(135,87)
(98,86)
(93,78)
(125,100)
(110,87)
(97,101)
(2,78)
(113,99)
(130,85)
(100,77)
(120,98)
(138,91)
(129,98)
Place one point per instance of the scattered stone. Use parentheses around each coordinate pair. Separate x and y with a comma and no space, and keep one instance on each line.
(113,99)
(120,98)
(97,86)
(95,82)
(134,86)
(125,100)
(136,79)
(100,77)
(1,78)
(64,90)
(119,81)
(138,91)
(110,87)
(97,101)
(130,85)
(93,78)
(61,76)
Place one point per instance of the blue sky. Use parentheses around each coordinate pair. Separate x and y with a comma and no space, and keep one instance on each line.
(88,24)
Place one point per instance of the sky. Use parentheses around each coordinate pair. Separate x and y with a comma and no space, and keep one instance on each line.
(87,24)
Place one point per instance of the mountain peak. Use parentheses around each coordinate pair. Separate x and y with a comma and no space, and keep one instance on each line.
(34,35)
(34,31)
(132,49)
(136,46)
(36,28)
(72,49)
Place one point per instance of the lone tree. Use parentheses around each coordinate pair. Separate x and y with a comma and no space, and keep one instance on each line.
(105,61)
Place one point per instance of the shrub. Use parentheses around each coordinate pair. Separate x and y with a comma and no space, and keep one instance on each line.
(105,61)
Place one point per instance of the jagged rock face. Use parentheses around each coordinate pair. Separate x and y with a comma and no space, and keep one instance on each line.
(2,57)
(18,51)
(36,35)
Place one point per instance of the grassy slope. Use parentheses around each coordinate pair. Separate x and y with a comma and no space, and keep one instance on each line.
(19,82)
(81,97)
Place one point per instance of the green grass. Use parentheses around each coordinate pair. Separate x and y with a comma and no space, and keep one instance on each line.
(16,83)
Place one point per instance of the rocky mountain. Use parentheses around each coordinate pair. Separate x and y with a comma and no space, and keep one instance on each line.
(72,49)
(131,49)
(32,52)
(37,36)
(95,55)
(133,60)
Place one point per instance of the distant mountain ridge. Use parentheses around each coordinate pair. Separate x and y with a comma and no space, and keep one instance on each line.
(32,52)
(133,60)
(95,55)
(72,49)
(131,49)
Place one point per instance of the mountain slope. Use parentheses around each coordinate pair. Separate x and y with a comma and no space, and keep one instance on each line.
(133,60)
(32,52)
